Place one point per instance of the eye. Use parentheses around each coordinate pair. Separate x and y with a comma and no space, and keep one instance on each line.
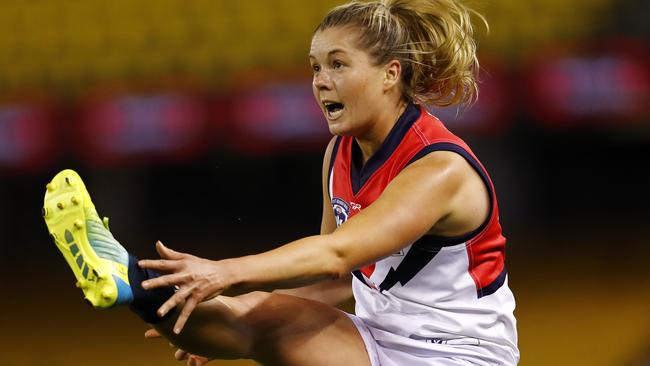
(315,67)
(337,64)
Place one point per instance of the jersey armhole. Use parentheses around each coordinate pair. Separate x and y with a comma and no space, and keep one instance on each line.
(431,242)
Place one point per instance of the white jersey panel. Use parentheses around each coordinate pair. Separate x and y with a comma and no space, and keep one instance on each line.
(439,304)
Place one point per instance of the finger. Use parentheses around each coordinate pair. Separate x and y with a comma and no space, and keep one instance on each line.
(200,361)
(189,306)
(161,265)
(168,253)
(166,280)
(196,360)
(176,299)
(180,355)
(152,333)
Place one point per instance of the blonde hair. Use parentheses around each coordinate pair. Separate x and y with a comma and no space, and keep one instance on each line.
(432,39)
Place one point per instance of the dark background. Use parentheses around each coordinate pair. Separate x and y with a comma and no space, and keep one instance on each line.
(192,123)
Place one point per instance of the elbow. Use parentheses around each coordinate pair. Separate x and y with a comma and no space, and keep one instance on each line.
(337,271)
(338,263)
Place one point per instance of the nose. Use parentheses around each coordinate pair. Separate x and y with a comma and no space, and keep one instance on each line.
(322,81)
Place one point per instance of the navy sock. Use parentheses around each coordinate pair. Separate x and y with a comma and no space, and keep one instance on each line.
(146,302)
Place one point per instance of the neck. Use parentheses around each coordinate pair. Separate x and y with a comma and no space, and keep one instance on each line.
(371,141)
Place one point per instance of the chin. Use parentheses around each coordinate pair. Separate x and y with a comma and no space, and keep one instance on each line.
(338,129)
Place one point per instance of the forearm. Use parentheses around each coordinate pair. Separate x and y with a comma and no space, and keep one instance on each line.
(299,263)
(296,264)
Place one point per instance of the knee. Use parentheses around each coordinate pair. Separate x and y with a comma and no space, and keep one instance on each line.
(251,299)
(216,341)
(214,330)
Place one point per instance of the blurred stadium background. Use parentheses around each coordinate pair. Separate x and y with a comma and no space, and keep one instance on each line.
(193,122)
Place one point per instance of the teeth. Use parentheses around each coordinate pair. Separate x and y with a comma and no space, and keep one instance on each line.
(334,115)
(333,109)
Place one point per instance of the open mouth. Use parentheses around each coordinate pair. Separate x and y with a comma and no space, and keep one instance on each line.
(334,109)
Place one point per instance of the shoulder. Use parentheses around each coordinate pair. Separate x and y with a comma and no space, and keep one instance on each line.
(450,180)
(330,146)
(439,174)
(328,152)
(441,164)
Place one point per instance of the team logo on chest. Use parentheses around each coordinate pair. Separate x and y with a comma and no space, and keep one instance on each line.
(341,210)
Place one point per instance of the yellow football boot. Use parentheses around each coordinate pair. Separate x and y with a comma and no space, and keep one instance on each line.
(98,261)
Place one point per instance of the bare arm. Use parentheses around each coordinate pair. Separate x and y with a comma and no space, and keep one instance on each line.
(426,192)
(420,196)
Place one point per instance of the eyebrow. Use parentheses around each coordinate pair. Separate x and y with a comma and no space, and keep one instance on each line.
(330,53)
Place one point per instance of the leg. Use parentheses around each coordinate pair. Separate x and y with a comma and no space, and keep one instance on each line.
(271,328)
(274,329)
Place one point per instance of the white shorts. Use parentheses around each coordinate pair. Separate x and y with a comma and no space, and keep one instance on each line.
(388,349)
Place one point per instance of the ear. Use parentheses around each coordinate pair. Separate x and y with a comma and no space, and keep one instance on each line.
(392,74)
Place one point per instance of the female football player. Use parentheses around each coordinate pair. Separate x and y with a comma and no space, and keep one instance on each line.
(410,223)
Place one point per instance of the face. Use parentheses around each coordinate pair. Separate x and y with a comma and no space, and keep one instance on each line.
(347,85)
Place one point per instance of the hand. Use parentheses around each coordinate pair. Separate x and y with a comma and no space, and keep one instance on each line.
(198,280)
(180,355)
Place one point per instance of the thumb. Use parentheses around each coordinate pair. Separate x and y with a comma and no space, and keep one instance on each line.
(152,333)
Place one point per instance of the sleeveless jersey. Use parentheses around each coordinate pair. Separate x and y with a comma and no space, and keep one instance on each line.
(439,290)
